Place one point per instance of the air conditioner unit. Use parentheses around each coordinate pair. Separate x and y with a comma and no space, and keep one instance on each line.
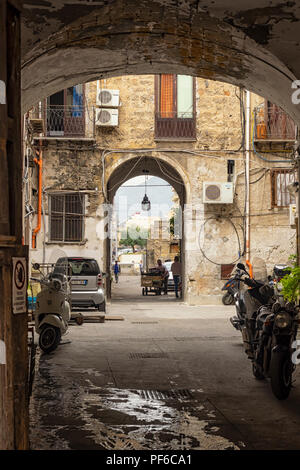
(107,117)
(293,215)
(218,193)
(109,98)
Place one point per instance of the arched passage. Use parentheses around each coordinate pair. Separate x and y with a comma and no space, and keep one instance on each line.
(136,166)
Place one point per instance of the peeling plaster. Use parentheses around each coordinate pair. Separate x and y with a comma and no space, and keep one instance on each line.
(80,41)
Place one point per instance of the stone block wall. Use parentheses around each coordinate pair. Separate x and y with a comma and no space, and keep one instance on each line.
(213,233)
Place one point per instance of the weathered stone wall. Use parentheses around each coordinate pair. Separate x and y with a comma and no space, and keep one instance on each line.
(252,44)
(213,233)
(68,166)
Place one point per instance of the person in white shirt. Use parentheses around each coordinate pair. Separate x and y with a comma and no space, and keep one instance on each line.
(165,273)
(176,271)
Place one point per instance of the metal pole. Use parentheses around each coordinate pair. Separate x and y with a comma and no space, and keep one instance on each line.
(247,170)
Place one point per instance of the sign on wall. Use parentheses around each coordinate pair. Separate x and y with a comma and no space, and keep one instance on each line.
(19,283)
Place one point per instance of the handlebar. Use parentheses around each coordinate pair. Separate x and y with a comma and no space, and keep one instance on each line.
(248,281)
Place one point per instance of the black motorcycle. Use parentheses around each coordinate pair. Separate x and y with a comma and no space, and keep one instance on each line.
(269,331)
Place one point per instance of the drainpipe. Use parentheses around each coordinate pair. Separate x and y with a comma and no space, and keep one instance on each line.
(38,162)
(44,226)
(247,171)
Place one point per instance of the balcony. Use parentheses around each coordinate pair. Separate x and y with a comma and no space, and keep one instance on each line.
(64,121)
(60,120)
(271,123)
(174,127)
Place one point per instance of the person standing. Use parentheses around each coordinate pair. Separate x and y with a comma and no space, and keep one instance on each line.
(116,271)
(141,266)
(176,271)
(165,274)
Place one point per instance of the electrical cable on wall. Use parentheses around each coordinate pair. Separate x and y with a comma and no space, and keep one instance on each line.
(237,235)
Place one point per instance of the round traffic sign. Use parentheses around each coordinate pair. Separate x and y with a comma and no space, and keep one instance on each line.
(19,275)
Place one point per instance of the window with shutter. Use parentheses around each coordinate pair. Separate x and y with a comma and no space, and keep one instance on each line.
(175,107)
(66,217)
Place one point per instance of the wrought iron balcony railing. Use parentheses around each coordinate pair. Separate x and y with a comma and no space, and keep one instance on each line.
(172,125)
(272,123)
(62,120)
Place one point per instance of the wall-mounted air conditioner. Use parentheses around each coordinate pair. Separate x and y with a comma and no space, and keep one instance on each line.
(107,117)
(217,193)
(109,98)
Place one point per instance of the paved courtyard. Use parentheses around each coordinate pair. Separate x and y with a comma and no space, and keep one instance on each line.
(162,376)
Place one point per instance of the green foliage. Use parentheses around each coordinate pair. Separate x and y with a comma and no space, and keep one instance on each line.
(128,241)
(291,282)
(174,220)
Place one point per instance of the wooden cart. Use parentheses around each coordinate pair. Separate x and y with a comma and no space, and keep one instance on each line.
(151,283)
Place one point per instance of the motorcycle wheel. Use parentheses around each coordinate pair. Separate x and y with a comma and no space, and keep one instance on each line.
(50,337)
(228,299)
(256,372)
(281,375)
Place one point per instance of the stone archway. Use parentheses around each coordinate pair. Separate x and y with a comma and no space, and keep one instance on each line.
(130,166)
(255,46)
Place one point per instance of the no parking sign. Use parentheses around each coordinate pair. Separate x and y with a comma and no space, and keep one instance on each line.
(19,283)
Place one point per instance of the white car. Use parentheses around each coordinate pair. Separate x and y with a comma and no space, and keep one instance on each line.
(86,282)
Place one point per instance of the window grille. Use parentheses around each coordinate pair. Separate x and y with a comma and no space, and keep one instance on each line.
(226,270)
(66,217)
(280,180)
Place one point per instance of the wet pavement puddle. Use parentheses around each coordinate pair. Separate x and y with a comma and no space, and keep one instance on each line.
(74,412)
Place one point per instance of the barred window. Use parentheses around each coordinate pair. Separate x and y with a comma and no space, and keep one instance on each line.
(280,180)
(226,270)
(66,217)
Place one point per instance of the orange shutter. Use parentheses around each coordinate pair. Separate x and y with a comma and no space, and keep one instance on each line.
(166,96)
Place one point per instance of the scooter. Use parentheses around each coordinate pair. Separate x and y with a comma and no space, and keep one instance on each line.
(231,286)
(53,311)
(238,320)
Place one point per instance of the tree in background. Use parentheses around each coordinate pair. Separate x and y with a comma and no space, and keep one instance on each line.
(174,221)
(134,241)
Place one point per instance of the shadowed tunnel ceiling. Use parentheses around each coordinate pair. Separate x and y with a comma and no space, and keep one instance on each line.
(250,43)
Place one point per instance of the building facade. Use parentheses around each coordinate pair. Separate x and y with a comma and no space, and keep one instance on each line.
(86,141)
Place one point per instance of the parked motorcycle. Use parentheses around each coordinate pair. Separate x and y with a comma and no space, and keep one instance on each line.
(269,330)
(238,320)
(231,286)
(53,311)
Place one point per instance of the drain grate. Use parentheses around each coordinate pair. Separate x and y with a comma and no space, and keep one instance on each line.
(144,322)
(165,394)
(203,338)
(158,355)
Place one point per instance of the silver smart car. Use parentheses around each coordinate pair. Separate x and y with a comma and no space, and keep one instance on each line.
(87,288)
